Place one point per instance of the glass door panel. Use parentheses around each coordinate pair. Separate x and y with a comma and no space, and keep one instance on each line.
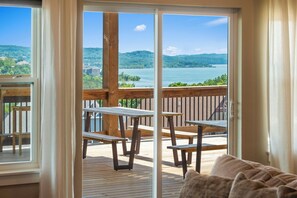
(195,67)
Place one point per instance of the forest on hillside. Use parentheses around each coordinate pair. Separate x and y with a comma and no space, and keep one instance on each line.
(129,60)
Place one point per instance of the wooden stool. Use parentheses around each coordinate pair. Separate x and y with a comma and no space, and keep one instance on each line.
(17,120)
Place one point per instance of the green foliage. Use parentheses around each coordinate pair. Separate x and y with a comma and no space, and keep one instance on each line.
(17,53)
(8,66)
(95,82)
(8,107)
(129,60)
(220,80)
(136,59)
(196,60)
(126,77)
(145,59)
(178,84)
(126,85)
(132,103)
(92,82)
(93,57)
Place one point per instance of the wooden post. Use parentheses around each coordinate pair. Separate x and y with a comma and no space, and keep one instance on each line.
(110,69)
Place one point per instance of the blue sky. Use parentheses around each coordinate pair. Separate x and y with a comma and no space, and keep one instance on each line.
(182,34)
(15,26)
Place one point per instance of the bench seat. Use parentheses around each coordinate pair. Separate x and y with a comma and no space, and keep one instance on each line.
(193,148)
(166,133)
(105,139)
(102,137)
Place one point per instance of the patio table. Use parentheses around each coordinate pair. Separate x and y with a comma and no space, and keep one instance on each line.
(135,114)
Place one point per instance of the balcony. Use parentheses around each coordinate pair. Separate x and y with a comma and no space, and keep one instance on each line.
(99,178)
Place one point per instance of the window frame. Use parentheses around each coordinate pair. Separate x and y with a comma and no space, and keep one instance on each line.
(29,168)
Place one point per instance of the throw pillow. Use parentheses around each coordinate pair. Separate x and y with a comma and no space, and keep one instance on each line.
(228,166)
(198,186)
(293,184)
(286,192)
(281,179)
(245,188)
(257,174)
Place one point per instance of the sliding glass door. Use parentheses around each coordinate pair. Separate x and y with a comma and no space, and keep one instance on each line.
(158,59)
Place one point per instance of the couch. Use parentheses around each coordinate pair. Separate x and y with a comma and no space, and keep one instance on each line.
(235,178)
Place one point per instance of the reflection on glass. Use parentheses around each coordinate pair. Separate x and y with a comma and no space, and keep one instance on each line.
(15,125)
(15,41)
(136,50)
(15,94)
(92,53)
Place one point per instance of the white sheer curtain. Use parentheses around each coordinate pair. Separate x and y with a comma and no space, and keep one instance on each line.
(282,80)
(60,100)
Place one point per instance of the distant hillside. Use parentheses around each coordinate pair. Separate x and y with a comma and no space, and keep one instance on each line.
(16,52)
(145,59)
(197,60)
(136,59)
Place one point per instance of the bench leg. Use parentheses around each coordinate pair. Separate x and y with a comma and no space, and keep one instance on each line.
(173,140)
(13,143)
(1,143)
(138,142)
(199,147)
(115,156)
(122,130)
(85,145)
(184,162)
(134,138)
(20,143)
(190,153)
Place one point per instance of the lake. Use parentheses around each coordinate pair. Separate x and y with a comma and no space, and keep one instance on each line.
(186,75)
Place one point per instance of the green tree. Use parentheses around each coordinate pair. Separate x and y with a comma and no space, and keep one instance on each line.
(92,82)
(220,80)
(8,66)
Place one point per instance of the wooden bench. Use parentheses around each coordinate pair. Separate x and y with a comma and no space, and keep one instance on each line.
(105,139)
(166,133)
(193,148)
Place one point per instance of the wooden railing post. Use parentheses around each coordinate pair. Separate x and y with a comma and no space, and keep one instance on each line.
(110,69)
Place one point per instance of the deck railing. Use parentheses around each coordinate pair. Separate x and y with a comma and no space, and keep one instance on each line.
(195,103)
(11,96)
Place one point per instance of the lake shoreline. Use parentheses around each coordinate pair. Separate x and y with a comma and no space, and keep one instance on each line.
(171,75)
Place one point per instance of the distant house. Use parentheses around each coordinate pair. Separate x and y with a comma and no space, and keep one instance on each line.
(93,71)
(23,63)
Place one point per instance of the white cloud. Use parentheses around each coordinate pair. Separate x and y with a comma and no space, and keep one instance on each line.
(172,51)
(198,51)
(208,51)
(219,21)
(221,51)
(140,28)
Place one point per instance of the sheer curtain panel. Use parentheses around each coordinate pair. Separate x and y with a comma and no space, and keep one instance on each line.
(61,100)
(282,80)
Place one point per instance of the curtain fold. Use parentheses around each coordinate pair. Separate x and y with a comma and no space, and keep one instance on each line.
(60,100)
(282,80)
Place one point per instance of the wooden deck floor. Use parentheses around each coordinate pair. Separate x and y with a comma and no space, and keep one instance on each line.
(100,180)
